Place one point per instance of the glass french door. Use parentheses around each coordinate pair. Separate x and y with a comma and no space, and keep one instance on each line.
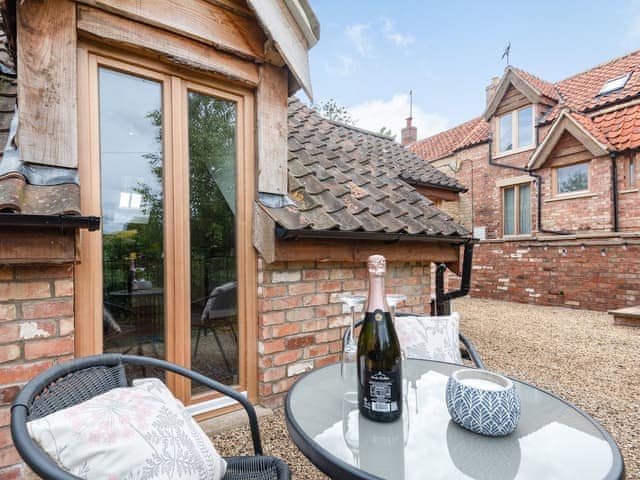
(168,151)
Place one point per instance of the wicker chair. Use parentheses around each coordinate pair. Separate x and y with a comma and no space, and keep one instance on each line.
(73,382)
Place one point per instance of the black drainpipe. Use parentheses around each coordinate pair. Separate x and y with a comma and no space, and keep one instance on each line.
(538,182)
(614,187)
(442,304)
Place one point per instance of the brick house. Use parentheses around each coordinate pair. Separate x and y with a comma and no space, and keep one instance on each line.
(161,195)
(552,177)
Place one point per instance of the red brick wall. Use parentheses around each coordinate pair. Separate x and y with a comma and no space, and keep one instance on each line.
(302,320)
(589,273)
(36,330)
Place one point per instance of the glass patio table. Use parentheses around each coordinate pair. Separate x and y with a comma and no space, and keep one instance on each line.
(554,439)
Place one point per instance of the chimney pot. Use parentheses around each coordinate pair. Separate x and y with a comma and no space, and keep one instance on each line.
(409,134)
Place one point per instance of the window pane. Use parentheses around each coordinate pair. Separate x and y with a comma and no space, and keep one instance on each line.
(524,206)
(632,172)
(509,211)
(214,274)
(525,127)
(131,163)
(506,137)
(573,178)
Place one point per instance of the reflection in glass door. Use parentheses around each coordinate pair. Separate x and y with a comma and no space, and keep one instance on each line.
(131,163)
(214,275)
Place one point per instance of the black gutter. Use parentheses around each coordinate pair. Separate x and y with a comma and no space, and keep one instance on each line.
(417,183)
(614,188)
(442,305)
(286,234)
(538,182)
(58,221)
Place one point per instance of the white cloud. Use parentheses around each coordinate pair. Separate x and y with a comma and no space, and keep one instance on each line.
(400,39)
(358,34)
(375,114)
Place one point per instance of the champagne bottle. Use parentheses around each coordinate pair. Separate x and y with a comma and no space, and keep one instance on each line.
(379,360)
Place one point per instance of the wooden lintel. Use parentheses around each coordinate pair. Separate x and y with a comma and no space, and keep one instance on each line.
(167,46)
(200,20)
(358,251)
(433,193)
(263,233)
(29,246)
(46,45)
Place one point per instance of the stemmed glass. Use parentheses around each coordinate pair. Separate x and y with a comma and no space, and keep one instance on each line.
(350,350)
(394,299)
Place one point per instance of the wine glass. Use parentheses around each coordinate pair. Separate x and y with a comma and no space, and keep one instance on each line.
(350,350)
(394,299)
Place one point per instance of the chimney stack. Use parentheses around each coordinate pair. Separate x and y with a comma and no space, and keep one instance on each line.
(491,88)
(409,134)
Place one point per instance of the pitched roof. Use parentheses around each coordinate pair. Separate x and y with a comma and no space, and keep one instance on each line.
(345,179)
(608,118)
(468,134)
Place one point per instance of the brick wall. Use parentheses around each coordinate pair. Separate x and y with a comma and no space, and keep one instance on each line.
(587,273)
(36,331)
(302,320)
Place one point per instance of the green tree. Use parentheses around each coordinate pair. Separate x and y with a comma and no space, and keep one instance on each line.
(331,110)
(387,133)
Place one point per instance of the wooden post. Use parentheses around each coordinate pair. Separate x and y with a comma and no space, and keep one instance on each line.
(272,109)
(47,82)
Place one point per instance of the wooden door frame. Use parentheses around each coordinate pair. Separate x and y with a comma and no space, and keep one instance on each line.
(176,82)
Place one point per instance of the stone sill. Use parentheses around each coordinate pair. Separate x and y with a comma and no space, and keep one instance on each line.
(513,152)
(559,198)
(633,190)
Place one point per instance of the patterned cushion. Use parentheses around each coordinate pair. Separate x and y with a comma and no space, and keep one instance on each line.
(138,432)
(430,338)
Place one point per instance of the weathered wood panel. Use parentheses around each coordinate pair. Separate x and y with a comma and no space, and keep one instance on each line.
(271,105)
(344,250)
(511,100)
(165,45)
(567,151)
(197,19)
(37,246)
(47,82)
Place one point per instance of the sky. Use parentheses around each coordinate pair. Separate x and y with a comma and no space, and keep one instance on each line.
(372,53)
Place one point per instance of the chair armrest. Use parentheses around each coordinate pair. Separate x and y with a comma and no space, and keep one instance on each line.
(473,353)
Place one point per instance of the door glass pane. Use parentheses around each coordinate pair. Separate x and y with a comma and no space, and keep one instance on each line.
(525,127)
(509,212)
(506,138)
(131,163)
(524,200)
(214,275)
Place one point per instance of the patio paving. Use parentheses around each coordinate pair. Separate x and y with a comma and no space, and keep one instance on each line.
(576,354)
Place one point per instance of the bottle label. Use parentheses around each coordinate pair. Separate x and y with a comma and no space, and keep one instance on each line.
(380,393)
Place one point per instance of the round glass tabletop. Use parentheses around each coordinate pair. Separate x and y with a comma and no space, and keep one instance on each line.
(553,439)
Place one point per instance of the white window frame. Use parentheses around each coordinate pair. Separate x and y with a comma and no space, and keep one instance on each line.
(515,147)
(515,183)
(556,185)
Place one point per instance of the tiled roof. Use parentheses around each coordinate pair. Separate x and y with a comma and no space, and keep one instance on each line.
(445,143)
(545,88)
(616,129)
(345,179)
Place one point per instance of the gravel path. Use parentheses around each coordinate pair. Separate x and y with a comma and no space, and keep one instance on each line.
(575,354)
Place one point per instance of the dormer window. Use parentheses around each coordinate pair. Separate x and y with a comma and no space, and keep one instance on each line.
(515,130)
(614,84)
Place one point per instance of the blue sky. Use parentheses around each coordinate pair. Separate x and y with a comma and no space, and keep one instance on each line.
(371,53)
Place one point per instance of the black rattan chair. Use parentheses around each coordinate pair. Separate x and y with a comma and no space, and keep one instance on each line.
(73,382)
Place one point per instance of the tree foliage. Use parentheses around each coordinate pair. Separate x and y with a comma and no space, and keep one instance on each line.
(331,110)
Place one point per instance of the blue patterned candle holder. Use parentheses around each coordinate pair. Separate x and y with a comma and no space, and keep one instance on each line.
(483,402)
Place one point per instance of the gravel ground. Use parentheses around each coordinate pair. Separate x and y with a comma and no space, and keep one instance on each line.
(576,354)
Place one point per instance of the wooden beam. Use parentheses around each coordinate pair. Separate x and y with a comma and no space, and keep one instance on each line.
(288,40)
(272,111)
(37,246)
(434,193)
(196,19)
(352,251)
(167,46)
(47,82)
(263,233)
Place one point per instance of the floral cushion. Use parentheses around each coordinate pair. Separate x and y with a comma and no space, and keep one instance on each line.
(138,432)
(430,338)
